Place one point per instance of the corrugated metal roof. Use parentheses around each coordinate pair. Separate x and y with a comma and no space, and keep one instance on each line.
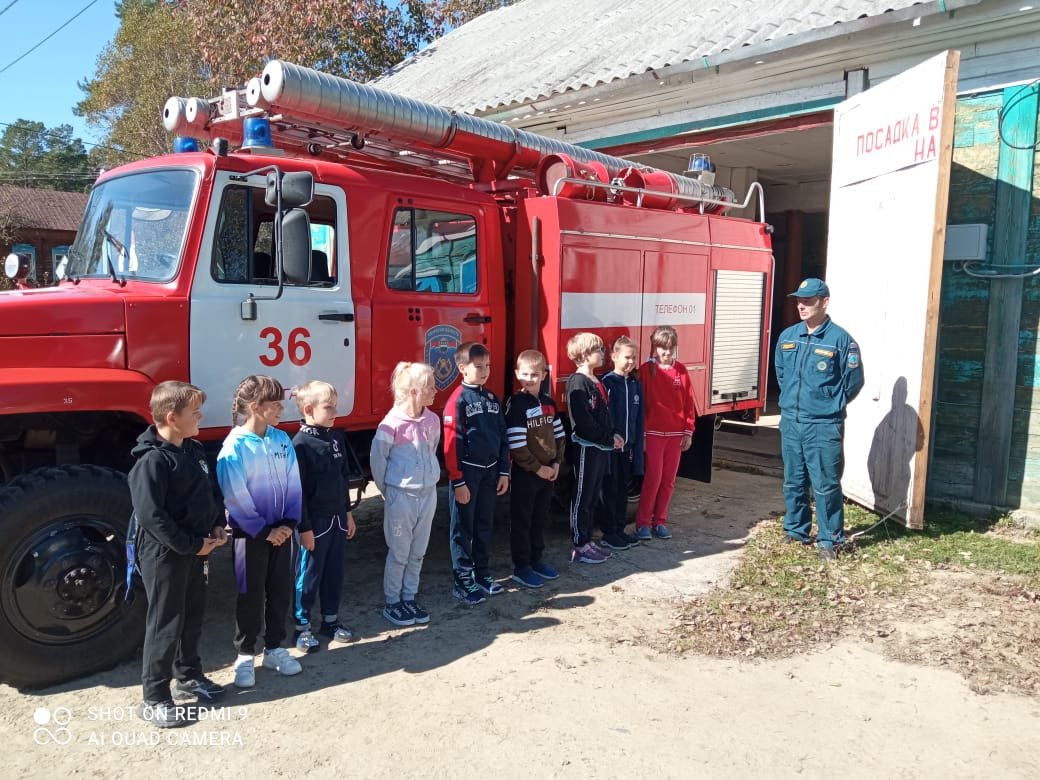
(538,48)
(43,209)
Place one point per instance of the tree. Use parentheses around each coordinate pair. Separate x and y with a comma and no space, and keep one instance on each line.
(32,155)
(358,39)
(151,58)
(198,47)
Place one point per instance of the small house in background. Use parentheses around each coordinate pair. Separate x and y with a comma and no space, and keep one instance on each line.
(43,224)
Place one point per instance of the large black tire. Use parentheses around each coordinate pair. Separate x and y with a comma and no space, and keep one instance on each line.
(63,611)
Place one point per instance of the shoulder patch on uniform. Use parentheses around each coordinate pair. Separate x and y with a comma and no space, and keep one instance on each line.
(853,346)
(853,360)
(824,352)
(788,345)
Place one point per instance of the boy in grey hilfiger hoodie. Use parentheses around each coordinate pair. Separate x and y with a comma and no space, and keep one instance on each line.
(404,467)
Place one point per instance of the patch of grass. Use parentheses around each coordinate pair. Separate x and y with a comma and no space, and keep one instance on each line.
(781,599)
(952,540)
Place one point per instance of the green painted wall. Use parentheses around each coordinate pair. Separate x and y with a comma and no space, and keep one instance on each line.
(964,316)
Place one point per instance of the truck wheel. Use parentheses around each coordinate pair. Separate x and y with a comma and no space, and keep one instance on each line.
(63,575)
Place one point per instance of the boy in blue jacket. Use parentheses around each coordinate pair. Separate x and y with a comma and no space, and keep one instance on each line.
(625,395)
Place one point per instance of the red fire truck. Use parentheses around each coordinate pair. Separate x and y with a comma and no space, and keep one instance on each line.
(351,229)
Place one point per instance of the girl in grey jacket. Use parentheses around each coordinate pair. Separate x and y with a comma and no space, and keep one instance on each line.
(406,471)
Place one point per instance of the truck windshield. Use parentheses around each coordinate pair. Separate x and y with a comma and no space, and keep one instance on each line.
(134,227)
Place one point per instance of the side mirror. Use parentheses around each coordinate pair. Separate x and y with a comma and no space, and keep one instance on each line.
(296,246)
(297,189)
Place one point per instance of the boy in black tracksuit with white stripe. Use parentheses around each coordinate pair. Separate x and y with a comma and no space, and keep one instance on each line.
(180,520)
(592,429)
(476,453)
(625,394)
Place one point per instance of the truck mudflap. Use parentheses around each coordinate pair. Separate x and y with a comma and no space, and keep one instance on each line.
(695,463)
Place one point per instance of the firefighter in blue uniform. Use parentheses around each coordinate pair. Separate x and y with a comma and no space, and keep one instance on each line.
(819,370)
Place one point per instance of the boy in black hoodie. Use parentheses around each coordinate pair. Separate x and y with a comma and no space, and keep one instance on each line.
(180,520)
(592,429)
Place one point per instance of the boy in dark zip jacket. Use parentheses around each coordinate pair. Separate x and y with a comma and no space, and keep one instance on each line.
(180,520)
(625,394)
(592,429)
(326,522)
(476,452)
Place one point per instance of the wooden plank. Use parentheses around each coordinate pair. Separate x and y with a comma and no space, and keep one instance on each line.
(915,516)
(1013,208)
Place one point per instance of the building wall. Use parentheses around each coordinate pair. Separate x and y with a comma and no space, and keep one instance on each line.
(958,438)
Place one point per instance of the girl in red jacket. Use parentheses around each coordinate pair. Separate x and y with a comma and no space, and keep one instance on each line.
(670,415)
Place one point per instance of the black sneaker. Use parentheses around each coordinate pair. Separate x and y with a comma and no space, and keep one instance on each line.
(632,539)
(335,632)
(614,542)
(164,714)
(200,687)
(828,554)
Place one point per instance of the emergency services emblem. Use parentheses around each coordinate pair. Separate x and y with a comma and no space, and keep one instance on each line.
(441,343)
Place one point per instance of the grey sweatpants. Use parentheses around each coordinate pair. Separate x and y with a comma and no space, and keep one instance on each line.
(407,518)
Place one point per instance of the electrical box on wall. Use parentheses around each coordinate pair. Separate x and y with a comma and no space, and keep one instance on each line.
(965,242)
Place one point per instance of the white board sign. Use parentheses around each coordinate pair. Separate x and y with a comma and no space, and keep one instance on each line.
(892,152)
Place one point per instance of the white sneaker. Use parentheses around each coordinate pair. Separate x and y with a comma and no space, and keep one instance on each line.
(245,674)
(280,660)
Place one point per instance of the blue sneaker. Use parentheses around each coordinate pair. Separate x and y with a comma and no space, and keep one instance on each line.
(306,641)
(644,533)
(399,614)
(420,615)
(661,531)
(487,584)
(545,571)
(527,577)
(468,593)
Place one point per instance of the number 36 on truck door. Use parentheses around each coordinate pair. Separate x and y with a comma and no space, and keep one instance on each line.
(308,333)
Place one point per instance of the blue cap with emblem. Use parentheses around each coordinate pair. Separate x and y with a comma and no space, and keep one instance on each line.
(810,288)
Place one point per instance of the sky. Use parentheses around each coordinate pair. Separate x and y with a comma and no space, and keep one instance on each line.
(42,87)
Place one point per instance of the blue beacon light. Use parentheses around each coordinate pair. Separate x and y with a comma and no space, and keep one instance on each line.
(700,162)
(256,131)
(184,144)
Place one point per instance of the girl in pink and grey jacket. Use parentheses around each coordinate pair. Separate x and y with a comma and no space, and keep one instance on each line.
(405,469)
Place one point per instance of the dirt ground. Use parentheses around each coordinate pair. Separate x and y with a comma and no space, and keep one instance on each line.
(567,681)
